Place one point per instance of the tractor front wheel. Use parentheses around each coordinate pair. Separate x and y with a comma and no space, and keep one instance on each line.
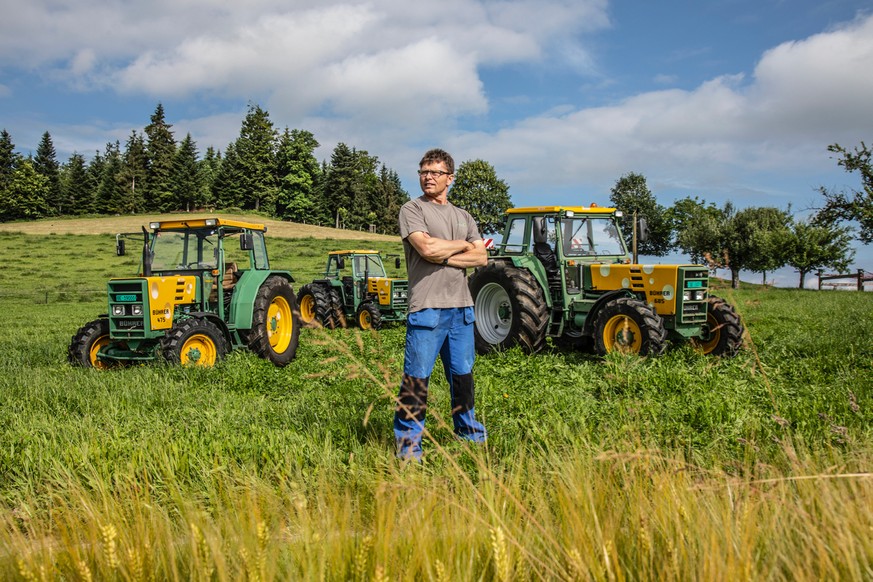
(194,342)
(315,306)
(629,326)
(87,341)
(510,309)
(723,333)
(275,329)
(368,316)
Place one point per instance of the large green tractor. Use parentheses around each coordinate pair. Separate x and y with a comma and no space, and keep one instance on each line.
(565,273)
(354,286)
(206,288)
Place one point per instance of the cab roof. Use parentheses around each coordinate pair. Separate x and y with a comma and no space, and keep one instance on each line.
(354,252)
(556,209)
(204,223)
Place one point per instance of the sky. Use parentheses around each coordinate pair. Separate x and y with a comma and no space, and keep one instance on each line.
(726,100)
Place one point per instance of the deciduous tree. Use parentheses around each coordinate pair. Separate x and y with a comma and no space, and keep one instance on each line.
(631,195)
(855,205)
(479,191)
(811,247)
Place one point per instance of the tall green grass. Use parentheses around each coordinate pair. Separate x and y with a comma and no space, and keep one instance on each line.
(679,467)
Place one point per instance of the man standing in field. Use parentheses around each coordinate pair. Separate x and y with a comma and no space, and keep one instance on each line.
(440,241)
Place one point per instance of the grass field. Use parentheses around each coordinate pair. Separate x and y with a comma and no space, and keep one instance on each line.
(681,467)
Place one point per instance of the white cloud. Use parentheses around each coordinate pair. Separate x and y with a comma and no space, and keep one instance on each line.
(802,96)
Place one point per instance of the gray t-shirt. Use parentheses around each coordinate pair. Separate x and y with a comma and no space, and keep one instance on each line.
(433,285)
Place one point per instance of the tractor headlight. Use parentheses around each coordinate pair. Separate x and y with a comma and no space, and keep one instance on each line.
(699,295)
(686,295)
(118,310)
(136,310)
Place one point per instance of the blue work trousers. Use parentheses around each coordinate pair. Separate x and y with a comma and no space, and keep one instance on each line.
(449,334)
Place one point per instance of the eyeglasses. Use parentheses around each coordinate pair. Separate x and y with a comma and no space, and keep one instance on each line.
(434,173)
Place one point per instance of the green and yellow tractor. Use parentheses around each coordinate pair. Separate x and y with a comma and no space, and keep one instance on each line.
(205,288)
(564,272)
(354,286)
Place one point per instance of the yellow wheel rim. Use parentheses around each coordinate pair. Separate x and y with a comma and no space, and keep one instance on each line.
(622,334)
(280,324)
(307,309)
(712,335)
(99,343)
(364,319)
(198,350)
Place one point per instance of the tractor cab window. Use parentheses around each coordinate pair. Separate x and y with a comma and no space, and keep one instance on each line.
(591,236)
(183,250)
(333,268)
(259,252)
(369,263)
(256,258)
(514,243)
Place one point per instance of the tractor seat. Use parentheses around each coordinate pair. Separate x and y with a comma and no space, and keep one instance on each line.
(231,275)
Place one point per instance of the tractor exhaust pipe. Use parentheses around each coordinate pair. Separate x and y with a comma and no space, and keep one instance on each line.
(146,254)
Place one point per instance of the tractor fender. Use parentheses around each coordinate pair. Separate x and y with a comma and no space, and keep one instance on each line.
(533,265)
(213,318)
(244,294)
(588,327)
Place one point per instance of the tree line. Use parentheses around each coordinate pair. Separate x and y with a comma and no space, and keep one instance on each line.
(277,173)
(263,169)
(756,239)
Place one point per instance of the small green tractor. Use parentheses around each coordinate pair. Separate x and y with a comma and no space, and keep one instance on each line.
(564,272)
(363,293)
(205,288)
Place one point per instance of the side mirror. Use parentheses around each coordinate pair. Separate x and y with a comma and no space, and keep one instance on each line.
(119,247)
(246,242)
(340,263)
(397,262)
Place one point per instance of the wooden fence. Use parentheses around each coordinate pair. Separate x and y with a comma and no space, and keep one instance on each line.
(859,280)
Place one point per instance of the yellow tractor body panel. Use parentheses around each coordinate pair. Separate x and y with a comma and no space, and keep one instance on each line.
(381,287)
(165,293)
(658,282)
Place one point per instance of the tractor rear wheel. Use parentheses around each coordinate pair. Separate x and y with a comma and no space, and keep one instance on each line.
(629,326)
(315,306)
(194,342)
(723,333)
(275,329)
(510,309)
(336,304)
(87,341)
(368,316)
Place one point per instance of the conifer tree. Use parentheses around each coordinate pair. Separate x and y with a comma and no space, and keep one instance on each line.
(46,164)
(256,153)
(110,192)
(94,173)
(186,175)
(209,167)
(227,187)
(298,171)
(133,176)
(75,189)
(161,150)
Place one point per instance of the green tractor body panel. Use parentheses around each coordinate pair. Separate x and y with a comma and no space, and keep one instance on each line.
(210,269)
(579,283)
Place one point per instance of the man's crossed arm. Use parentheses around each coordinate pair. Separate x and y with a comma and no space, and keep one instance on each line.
(458,253)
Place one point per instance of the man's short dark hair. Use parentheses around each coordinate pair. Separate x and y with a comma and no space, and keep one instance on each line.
(437,155)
